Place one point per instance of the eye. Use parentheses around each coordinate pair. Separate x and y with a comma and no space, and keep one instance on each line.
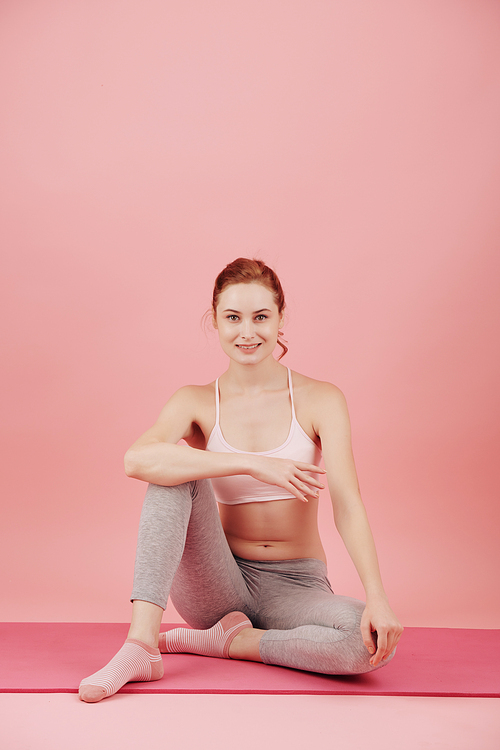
(261,317)
(232,318)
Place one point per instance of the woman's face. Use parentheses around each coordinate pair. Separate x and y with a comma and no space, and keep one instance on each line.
(248,320)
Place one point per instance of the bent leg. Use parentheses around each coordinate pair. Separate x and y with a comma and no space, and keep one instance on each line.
(162,533)
(208,583)
(308,626)
(182,550)
(177,523)
(335,647)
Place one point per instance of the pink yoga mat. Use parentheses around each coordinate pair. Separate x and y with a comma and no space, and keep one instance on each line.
(54,657)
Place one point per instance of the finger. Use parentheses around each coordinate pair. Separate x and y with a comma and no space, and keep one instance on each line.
(389,649)
(368,640)
(298,494)
(308,497)
(392,642)
(381,649)
(304,489)
(311,481)
(307,490)
(309,467)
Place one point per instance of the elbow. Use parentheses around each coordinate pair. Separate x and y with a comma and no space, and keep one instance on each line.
(131,464)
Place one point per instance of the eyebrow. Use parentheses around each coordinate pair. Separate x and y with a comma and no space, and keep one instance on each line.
(256,312)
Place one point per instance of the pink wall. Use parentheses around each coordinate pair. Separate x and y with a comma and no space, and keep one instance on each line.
(355,147)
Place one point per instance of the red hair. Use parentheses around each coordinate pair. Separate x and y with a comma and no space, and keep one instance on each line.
(250,271)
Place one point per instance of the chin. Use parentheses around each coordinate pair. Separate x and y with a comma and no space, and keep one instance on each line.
(257,355)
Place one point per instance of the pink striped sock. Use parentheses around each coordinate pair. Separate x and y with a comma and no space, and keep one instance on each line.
(134,662)
(212,642)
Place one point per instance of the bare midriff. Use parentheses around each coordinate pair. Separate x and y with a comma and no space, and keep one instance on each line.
(273,530)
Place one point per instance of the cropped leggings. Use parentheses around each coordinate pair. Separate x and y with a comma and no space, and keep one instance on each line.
(182,551)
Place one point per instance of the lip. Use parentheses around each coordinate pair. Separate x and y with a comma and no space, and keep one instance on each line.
(248,347)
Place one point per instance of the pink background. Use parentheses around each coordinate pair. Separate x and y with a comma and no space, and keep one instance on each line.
(353,146)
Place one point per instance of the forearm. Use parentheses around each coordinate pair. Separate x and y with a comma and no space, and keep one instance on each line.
(354,528)
(378,616)
(170,464)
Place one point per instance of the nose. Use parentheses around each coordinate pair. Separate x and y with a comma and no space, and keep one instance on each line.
(247,329)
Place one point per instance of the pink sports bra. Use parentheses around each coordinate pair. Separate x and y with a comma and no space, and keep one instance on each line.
(242,488)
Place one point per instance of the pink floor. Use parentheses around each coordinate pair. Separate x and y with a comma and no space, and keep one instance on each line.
(52,657)
(60,721)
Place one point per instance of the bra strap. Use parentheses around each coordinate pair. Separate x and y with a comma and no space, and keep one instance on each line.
(217,402)
(290,388)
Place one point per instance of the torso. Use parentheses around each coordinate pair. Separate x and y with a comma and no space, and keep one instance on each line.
(258,422)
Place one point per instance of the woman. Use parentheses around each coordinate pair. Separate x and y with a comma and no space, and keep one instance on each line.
(250,579)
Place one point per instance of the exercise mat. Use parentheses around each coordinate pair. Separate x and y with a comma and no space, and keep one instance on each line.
(54,657)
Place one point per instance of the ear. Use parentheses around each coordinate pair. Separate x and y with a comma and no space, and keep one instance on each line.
(282,319)
(214,321)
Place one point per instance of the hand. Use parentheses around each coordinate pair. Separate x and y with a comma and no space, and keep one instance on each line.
(291,475)
(379,618)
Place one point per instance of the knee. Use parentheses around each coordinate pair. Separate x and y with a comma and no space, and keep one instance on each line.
(201,488)
(165,505)
(347,616)
(178,493)
(159,493)
(358,657)
(349,621)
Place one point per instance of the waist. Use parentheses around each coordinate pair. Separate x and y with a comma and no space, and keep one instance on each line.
(274,530)
(271,551)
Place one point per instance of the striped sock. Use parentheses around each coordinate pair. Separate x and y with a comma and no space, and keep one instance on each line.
(212,642)
(134,662)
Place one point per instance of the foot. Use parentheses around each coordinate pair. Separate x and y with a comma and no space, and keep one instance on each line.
(214,641)
(134,662)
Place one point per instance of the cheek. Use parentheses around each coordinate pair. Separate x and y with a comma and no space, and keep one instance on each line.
(225,332)
(270,332)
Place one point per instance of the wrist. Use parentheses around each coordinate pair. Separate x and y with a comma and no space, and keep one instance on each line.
(246,463)
(376,594)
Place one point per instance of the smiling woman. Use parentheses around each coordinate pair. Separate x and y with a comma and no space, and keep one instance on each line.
(246,271)
(247,329)
(252,577)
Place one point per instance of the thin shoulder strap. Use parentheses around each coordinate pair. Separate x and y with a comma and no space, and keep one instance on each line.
(290,388)
(217,401)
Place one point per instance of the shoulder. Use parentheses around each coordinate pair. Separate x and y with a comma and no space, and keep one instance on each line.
(317,391)
(184,410)
(190,393)
(324,401)
(191,398)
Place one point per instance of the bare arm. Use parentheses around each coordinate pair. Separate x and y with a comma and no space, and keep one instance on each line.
(333,427)
(156,457)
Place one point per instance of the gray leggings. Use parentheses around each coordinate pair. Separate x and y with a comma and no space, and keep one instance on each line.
(182,551)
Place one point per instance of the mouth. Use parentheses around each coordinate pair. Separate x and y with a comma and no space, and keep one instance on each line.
(248,347)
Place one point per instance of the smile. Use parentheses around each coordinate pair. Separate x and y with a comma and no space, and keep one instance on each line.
(248,347)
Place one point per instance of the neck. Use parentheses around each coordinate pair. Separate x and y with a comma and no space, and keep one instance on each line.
(248,377)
